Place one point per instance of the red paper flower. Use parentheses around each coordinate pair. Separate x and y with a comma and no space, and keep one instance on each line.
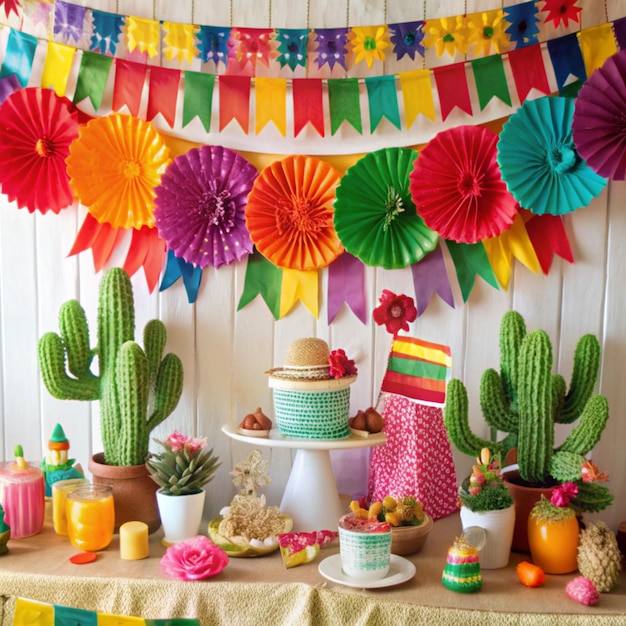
(561,11)
(395,312)
(563,494)
(194,559)
(341,365)
(10,5)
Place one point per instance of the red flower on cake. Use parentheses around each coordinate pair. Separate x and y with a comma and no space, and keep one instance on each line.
(341,365)
(395,312)
(561,11)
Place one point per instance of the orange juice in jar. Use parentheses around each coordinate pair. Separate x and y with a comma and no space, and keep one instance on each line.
(90,517)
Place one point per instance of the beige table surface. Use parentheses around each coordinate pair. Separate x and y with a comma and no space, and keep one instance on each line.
(262,591)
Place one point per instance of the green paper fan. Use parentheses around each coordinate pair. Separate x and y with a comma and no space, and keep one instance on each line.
(375,216)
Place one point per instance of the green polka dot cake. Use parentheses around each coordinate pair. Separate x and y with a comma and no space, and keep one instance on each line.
(462,570)
(312,391)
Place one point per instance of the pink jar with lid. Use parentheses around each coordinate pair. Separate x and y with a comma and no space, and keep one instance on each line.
(22,495)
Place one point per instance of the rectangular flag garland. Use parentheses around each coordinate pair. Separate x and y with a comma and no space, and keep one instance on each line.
(418,369)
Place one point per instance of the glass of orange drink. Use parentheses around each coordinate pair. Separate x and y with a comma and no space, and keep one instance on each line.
(90,517)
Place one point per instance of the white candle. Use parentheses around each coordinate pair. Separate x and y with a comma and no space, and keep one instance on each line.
(134,541)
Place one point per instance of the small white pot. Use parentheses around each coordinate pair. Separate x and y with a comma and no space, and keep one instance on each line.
(181,516)
(498,526)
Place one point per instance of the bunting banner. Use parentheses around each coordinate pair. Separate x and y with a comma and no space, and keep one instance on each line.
(346,284)
(179,268)
(263,279)
(431,277)
(471,260)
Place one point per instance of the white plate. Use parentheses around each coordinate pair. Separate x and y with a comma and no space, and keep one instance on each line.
(400,570)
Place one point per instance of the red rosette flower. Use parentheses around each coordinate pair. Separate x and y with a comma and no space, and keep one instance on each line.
(395,312)
(341,365)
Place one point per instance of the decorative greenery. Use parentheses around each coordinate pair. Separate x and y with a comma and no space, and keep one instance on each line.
(525,399)
(546,510)
(137,388)
(485,489)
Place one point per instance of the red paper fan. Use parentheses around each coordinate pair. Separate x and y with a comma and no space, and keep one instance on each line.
(36,130)
(290,213)
(457,187)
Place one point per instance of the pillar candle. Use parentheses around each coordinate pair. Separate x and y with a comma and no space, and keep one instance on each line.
(134,541)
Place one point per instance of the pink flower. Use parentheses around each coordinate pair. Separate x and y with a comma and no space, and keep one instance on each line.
(340,364)
(194,559)
(590,473)
(563,493)
(179,442)
(395,312)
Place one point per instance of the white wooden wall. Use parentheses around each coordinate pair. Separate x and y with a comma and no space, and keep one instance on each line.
(225,353)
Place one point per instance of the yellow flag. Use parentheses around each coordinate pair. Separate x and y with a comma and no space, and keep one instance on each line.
(299,285)
(29,613)
(271,103)
(179,41)
(417,95)
(597,44)
(143,34)
(57,66)
(513,242)
(105,619)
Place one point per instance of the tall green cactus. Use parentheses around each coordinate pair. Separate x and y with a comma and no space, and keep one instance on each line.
(137,388)
(525,400)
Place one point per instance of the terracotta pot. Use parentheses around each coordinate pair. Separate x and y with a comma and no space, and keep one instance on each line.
(525,498)
(134,491)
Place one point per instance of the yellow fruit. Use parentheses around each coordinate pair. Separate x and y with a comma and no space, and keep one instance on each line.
(375,510)
(389,503)
(393,518)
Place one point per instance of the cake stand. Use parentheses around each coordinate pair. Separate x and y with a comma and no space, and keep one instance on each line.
(311,497)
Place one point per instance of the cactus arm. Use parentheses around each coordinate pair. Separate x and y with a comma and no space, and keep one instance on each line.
(494,404)
(168,389)
(566,466)
(154,339)
(512,333)
(536,425)
(559,387)
(592,497)
(583,438)
(584,376)
(75,334)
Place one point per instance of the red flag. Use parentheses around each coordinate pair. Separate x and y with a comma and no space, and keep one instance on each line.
(452,88)
(307,105)
(101,238)
(146,250)
(129,81)
(528,71)
(548,237)
(234,94)
(163,94)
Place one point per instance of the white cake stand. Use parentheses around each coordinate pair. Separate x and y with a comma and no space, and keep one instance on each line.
(310,497)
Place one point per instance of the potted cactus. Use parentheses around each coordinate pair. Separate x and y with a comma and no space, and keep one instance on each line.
(137,387)
(524,401)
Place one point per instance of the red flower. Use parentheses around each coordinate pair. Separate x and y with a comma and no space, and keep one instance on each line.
(561,11)
(341,365)
(395,312)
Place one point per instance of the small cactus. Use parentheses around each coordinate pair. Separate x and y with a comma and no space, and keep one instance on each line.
(137,387)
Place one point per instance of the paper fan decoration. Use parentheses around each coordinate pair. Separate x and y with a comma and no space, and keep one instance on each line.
(539,161)
(199,206)
(290,213)
(375,216)
(599,125)
(457,187)
(114,167)
(36,130)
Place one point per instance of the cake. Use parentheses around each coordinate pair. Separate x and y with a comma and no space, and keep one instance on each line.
(312,391)
(462,570)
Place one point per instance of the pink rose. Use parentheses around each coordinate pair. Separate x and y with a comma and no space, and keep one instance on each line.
(194,559)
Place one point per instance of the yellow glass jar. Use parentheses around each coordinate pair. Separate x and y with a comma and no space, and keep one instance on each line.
(554,543)
(90,517)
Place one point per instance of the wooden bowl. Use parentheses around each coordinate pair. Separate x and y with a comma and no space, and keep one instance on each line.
(410,539)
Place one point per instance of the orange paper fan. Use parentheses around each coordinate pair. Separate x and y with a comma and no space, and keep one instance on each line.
(114,167)
(290,213)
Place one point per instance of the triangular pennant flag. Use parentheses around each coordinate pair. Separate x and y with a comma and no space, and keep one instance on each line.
(417,95)
(262,278)
(234,93)
(69,616)
(430,276)
(307,105)
(469,261)
(107,28)
(528,71)
(163,94)
(56,69)
(271,103)
(452,88)
(144,34)
(566,59)
(29,612)
(92,78)
(383,100)
(619,28)
(191,274)
(490,80)
(129,81)
(299,285)
(68,21)
(8,85)
(179,41)
(346,283)
(548,236)
(146,250)
(198,98)
(102,239)
(344,103)
(597,44)
(19,55)
(105,619)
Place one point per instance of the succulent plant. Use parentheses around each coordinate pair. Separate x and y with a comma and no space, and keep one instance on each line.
(137,388)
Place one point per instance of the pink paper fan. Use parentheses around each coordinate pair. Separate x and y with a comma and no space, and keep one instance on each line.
(599,124)
(200,206)
(457,187)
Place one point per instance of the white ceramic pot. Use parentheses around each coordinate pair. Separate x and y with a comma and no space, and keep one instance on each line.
(181,516)
(498,526)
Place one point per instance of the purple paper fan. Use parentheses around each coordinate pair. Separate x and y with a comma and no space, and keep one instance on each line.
(200,203)
(599,124)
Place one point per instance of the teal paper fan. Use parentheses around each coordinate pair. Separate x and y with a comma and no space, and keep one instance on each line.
(375,216)
(539,161)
